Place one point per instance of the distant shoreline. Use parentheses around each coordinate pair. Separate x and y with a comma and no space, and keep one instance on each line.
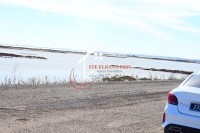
(116,55)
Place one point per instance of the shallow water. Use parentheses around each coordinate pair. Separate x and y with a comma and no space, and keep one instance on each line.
(58,66)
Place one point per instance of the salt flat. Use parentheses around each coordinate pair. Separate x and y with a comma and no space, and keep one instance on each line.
(57,66)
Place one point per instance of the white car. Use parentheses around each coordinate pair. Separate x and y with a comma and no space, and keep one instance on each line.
(182,111)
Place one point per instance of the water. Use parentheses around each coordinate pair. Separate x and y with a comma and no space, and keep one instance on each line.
(58,66)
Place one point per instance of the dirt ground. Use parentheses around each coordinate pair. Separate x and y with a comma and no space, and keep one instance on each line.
(112,107)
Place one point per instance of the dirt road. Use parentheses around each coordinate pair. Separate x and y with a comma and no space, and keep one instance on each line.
(116,107)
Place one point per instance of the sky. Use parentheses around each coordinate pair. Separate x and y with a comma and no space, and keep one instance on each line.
(149,27)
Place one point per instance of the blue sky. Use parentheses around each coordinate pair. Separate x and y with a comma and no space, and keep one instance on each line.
(150,27)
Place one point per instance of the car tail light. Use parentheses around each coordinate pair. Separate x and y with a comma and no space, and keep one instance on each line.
(164,117)
(172,99)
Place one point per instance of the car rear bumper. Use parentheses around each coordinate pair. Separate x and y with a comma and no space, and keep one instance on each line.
(174,117)
(173,128)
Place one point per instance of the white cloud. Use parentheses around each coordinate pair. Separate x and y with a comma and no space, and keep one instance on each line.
(142,15)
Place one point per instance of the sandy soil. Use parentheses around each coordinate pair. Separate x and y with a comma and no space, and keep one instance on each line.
(116,107)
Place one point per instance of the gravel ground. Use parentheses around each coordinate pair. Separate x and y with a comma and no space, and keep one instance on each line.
(113,107)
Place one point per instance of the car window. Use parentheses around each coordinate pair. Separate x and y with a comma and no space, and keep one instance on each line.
(194,81)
